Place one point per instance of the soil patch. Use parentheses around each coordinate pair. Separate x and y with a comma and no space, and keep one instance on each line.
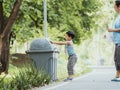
(19,59)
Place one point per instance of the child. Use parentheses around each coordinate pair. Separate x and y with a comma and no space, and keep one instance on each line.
(70,50)
(116,40)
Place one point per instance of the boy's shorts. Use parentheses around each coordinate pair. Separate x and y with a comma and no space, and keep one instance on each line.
(71,63)
(117,57)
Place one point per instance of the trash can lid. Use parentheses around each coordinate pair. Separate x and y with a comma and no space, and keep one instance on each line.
(42,45)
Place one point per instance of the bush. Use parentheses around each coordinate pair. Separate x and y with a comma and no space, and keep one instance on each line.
(27,78)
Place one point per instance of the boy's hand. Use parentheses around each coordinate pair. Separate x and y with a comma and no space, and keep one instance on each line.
(51,41)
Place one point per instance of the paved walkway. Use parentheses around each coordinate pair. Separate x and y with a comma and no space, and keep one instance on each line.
(99,79)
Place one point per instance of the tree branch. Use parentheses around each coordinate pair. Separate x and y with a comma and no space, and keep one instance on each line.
(35,21)
(32,18)
(1,17)
(12,18)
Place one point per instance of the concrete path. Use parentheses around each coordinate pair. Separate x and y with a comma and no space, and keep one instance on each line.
(99,79)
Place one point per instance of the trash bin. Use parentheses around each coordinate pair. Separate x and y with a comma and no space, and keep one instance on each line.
(44,56)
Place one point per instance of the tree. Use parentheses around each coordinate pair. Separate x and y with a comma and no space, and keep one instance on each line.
(77,15)
(63,15)
(6,23)
(29,23)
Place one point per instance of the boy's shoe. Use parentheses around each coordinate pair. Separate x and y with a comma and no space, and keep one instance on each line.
(116,79)
(68,79)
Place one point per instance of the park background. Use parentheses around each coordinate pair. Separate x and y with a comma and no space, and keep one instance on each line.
(87,18)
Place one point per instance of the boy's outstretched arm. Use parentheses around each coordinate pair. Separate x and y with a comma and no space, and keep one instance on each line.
(113,30)
(60,43)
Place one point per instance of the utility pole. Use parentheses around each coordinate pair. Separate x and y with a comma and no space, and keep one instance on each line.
(45,18)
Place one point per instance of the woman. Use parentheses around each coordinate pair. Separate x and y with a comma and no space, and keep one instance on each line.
(116,40)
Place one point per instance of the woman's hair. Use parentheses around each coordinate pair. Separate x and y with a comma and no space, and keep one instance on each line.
(117,2)
(70,34)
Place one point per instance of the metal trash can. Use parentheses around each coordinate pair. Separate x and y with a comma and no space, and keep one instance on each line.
(44,56)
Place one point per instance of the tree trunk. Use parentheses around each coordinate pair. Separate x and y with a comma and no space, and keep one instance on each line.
(5,55)
(5,31)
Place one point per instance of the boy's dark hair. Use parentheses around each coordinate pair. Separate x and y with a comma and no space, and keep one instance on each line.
(70,34)
(117,2)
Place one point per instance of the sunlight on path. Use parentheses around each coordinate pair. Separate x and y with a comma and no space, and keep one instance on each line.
(99,79)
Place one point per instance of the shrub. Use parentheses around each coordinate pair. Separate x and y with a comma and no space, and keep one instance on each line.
(27,78)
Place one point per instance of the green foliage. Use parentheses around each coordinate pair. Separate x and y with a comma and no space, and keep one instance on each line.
(73,15)
(63,15)
(27,78)
(81,16)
